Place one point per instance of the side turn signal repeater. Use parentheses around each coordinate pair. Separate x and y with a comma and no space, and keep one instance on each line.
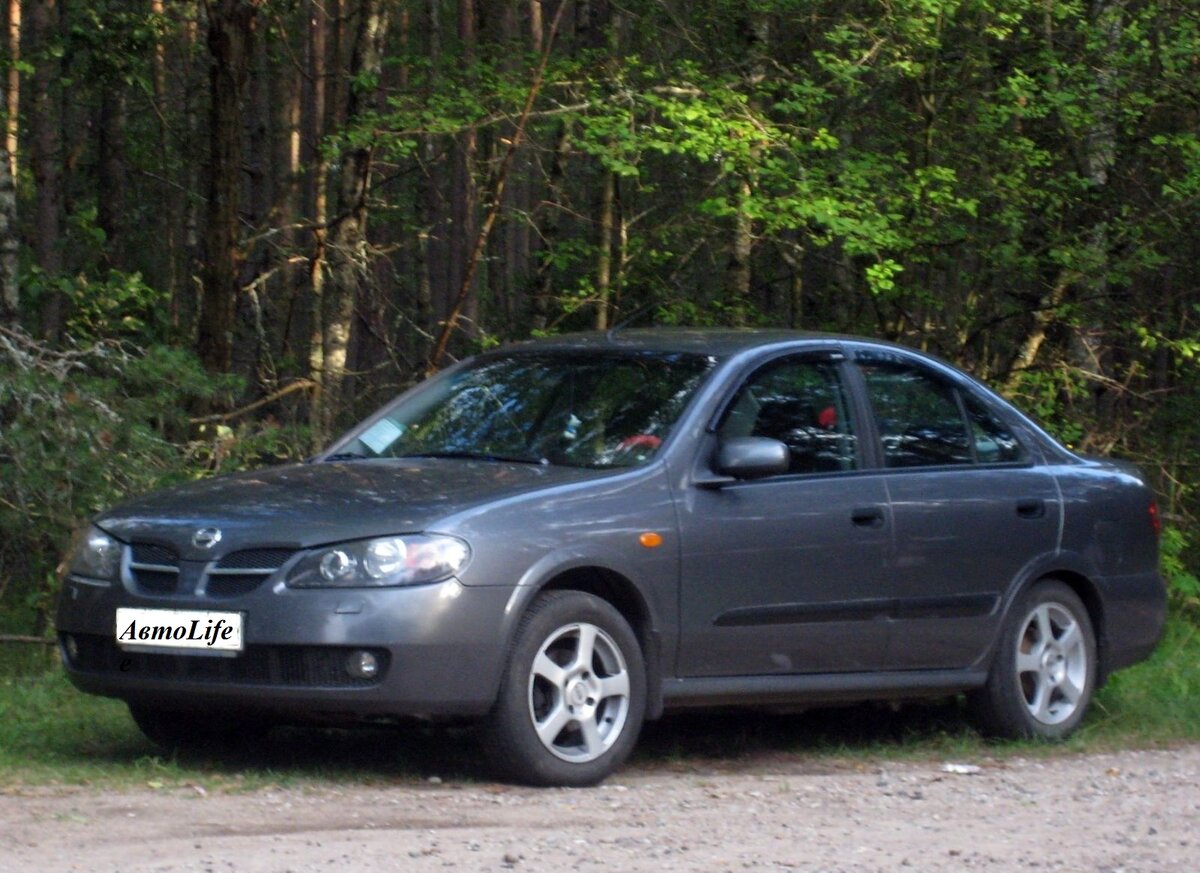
(651,540)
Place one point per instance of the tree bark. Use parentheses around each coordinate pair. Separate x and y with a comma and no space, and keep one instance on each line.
(318,29)
(9,289)
(742,245)
(349,264)
(12,93)
(288,99)
(497,201)
(185,302)
(463,190)
(605,249)
(551,228)
(110,213)
(46,128)
(231,32)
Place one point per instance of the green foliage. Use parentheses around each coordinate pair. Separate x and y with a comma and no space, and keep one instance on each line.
(1183,585)
(80,428)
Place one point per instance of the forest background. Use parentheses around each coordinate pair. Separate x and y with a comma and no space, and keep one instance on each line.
(229,227)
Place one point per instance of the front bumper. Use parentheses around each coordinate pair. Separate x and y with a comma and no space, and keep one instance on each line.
(440,647)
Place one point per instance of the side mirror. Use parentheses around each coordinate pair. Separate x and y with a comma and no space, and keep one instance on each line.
(752,457)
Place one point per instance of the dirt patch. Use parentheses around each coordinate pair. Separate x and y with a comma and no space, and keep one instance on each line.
(1131,811)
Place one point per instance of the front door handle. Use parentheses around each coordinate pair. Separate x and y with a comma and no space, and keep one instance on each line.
(867,516)
(1033,507)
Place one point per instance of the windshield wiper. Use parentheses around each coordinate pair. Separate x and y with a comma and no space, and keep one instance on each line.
(477,456)
(343,456)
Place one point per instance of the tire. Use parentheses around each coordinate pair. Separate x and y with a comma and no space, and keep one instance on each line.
(1044,672)
(572,695)
(174,729)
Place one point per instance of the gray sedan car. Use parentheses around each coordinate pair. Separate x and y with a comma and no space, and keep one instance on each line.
(562,539)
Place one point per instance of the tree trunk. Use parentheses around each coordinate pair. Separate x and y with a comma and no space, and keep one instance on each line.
(9,289)
(168,278)
(349,265)
(1043,317)
(288,99)
(430,203)
(739,270)
(551,227)
(463,190)
(186,301)
(605,248)
(46,128)
(739,255)
(318,27)
(110,213)
(231,31)
(12,93)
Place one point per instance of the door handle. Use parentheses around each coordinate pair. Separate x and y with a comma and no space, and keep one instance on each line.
(867,516)
(1033,507)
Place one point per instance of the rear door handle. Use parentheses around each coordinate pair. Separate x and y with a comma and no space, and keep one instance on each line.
(867,516)
(1033,507)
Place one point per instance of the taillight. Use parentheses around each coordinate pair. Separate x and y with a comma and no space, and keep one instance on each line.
(1155,521)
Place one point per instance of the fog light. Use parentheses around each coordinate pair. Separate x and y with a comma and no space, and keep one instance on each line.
(362,665)
(71,647)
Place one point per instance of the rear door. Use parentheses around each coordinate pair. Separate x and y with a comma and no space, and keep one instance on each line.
(970,508)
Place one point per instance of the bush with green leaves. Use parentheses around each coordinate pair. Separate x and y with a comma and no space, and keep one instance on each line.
(80,427)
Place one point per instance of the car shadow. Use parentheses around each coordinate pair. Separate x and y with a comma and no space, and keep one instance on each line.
(686,741)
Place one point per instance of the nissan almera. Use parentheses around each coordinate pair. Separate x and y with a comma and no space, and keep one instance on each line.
(562,539)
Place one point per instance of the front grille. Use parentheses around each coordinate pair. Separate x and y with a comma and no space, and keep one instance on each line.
(154,568)
(233,585)
(241,572)
(283,666)
(150,553)
(255,559)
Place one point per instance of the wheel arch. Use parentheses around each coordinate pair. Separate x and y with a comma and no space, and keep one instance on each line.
(1089,594)
(619,591)
(1074,575)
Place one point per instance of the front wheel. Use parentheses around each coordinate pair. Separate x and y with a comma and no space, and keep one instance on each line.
(1044,673)
(572,696)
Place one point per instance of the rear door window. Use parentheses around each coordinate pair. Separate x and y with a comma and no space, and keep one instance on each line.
(926,421)
(918,416)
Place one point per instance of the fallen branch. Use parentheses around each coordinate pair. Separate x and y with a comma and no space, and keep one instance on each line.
(464,290)
(299,385)
(19,638)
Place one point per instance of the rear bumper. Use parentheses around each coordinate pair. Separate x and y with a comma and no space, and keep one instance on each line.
(1135,614)
(440,646)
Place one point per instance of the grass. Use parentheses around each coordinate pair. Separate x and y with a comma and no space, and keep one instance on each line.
(51,734)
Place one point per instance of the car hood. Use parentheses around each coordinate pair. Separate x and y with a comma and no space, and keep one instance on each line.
(305,505)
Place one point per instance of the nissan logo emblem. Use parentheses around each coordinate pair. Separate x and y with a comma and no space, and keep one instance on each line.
(206,537)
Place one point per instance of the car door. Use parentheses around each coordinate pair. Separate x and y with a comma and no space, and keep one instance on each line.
(970,509)
(780,575)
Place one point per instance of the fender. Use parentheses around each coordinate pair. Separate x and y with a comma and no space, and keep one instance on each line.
(1056,564)
(553,565)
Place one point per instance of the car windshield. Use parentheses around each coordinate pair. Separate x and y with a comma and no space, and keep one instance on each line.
(573,409)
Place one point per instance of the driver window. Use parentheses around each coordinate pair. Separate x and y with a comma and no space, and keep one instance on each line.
(801,403)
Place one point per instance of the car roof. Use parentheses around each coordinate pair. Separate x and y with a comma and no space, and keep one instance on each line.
(721,342)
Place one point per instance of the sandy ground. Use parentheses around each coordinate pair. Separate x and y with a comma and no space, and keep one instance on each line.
(1130,811)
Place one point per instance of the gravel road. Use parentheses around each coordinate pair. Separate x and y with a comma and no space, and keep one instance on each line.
(1129,811)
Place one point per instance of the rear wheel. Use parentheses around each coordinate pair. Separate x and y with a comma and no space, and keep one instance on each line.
(572,696)
(1044,674)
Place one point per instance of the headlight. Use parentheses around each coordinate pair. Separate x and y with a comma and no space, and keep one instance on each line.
(95,554)
(382,562)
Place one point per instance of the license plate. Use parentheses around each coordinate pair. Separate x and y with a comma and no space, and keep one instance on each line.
(174,629)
